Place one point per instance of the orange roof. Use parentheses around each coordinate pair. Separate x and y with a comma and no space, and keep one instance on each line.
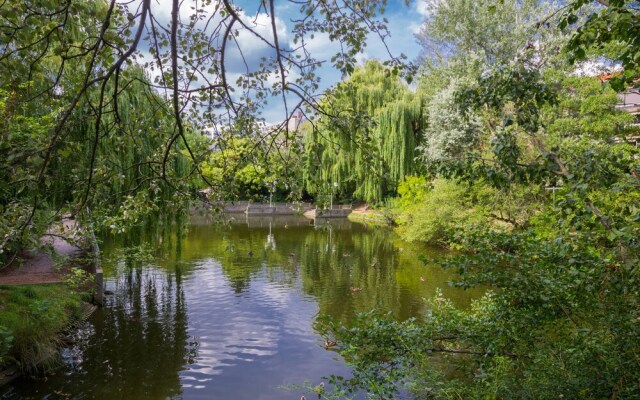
(605,77)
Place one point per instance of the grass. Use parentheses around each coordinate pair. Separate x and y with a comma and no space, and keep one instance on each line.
(374,217)
(31,319)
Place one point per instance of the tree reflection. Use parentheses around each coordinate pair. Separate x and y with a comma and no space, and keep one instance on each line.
(144,329)
(347,267)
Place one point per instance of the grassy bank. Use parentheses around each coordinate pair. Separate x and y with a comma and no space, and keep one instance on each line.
(371,217)
(31,319)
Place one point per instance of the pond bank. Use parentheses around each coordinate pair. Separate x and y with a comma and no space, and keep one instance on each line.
(42,296)
(33,320)
(250,208)
(365,214)
(309,210)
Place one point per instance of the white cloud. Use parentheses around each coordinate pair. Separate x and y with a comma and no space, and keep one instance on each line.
(261,25)
(596,67)
(248,48)
(423,8)
(361,58)
(415,28)
(320,46)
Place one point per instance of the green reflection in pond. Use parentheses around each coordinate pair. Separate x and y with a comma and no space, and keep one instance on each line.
(197,311)
(346,267)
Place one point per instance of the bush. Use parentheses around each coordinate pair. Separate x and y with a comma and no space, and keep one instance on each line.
(433,212)
(561,322)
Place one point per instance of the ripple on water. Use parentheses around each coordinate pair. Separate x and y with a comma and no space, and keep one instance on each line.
(229,329)
(214,323)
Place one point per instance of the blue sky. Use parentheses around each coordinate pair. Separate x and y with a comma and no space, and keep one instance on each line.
(403,23)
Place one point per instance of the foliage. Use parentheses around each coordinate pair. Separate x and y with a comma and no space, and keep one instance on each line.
(244,168)
(435,211)
(79,281)
(97,161)
(364,144)
(473,35)
(613,26)
(319,391)
(22,133)
(33,316)
(448,132)
(561,319)
(585,108)
(6,340)
(88,132)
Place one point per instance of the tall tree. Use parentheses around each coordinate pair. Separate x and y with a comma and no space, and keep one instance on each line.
(67,70)
(486,32)
(365,143)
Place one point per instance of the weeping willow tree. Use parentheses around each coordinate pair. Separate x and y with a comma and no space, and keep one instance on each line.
(365,143)
(133,176)
(108,159)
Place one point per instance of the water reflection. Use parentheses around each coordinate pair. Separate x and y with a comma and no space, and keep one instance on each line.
(220,312)
(138,343)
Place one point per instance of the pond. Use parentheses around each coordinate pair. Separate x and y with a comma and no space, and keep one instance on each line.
(228,312)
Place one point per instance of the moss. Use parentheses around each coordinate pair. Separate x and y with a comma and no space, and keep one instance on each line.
(31,318)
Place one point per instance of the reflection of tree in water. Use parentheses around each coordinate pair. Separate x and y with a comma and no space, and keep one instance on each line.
(350,271)
(333,259)
(347,267)
(144,329)
(240,251)
(144,324)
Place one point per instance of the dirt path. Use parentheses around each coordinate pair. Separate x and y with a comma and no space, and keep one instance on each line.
(41,267)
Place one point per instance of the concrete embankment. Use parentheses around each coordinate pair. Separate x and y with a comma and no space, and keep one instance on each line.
(245,207)
(278,208)
(317,213)
(264,209)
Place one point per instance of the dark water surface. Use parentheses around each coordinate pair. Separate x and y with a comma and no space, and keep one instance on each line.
(228,312)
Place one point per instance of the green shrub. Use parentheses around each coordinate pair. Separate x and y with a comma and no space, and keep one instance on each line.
(6,338)
(434,211)
(559,323)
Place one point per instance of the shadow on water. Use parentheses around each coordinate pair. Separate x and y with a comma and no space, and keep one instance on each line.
(227,311)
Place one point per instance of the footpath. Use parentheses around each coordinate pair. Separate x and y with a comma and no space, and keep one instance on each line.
(47,266)
(41,267)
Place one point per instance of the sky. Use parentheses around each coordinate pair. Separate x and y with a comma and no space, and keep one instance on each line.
(404,21)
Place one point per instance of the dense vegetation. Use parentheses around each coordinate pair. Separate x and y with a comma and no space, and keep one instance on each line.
(504,151)
(95,151)
(508,121)
(31,320)
(366,144)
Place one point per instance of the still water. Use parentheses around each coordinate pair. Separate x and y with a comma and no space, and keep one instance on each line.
(228,312)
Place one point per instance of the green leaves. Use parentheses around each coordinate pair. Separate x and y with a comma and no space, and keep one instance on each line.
(367,137)
(551,325)
(617,24)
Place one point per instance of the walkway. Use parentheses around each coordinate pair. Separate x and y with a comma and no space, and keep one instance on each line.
(41,267)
